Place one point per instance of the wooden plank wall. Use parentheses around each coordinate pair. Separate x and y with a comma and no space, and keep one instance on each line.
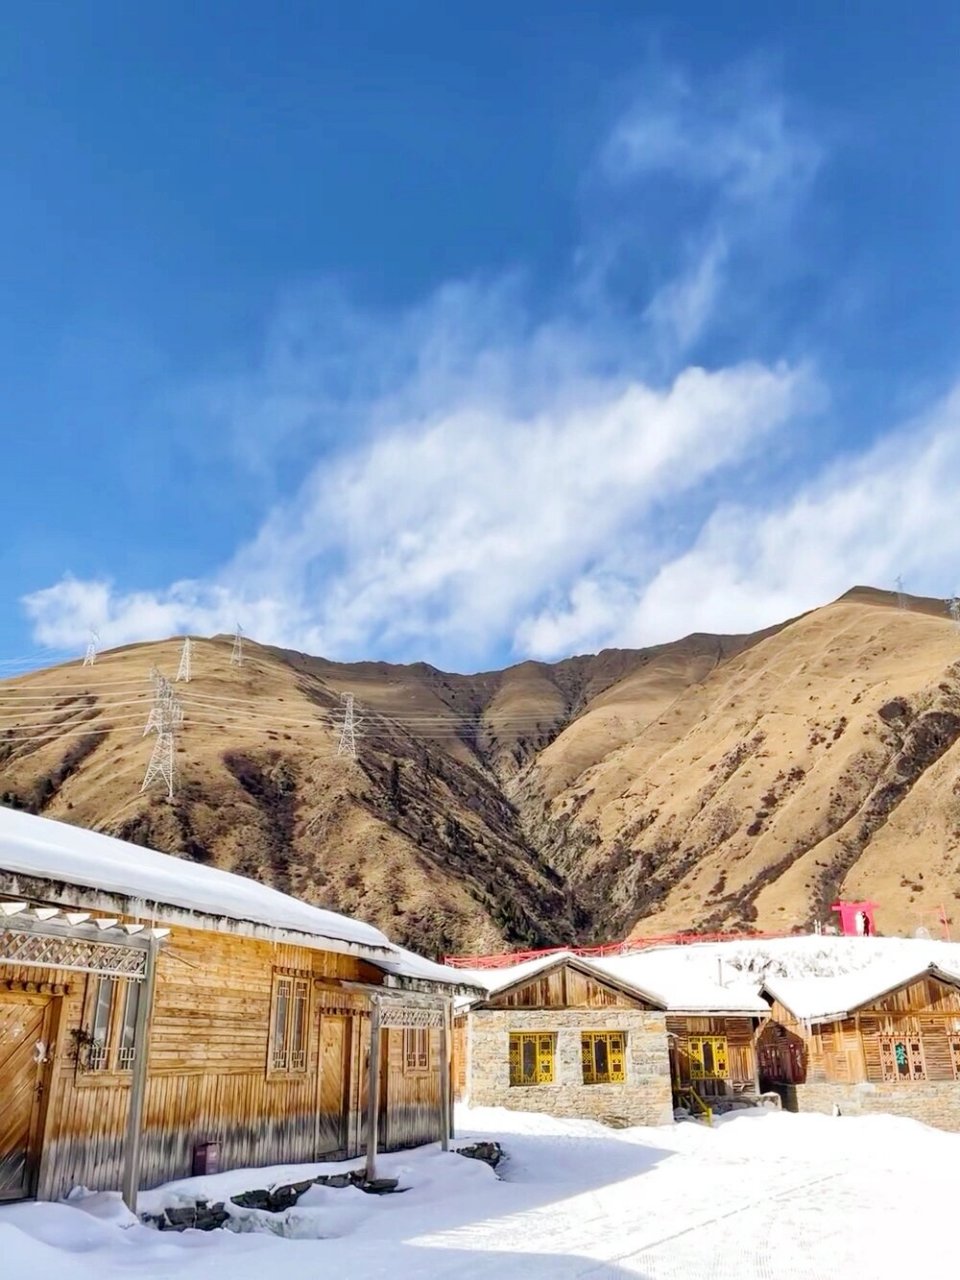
(848,1049)
(209,1077)
(411,1114)
(741,1051)
(563,988)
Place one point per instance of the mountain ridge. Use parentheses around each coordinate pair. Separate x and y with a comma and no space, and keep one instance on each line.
(713,781)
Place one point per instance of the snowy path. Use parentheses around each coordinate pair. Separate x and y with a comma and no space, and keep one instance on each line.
(760,1197)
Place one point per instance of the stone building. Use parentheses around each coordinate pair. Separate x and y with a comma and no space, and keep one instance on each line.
(580,1037)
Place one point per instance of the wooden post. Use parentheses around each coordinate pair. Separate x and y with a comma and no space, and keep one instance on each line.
(373,1090)
(446,1114)
(138,1083)
(755,1046)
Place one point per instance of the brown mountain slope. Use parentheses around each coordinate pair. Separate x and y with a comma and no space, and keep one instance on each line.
(713,781)
(821,760)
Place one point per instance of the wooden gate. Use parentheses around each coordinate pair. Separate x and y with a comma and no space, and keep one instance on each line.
(24,1036)
(334,1073)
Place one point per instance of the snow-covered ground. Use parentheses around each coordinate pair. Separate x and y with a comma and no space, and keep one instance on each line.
(760,1195)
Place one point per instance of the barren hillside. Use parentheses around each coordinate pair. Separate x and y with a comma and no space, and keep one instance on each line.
(713,781)
(820,760)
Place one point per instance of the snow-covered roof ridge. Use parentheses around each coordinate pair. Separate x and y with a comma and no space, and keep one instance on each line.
(684,980)
(32,847)
(670,978)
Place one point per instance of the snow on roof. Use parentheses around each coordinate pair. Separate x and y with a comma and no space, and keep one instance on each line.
(409,965)
(820,976)
(815,976)
(33,846)
(672,977)
(685,980)
(495,980)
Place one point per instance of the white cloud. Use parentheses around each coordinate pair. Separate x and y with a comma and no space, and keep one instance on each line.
(437,534)
(889,511)
(732,134)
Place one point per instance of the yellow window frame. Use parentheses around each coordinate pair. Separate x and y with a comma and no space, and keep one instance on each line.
(719,1056)
(532,1057)
(614,1044)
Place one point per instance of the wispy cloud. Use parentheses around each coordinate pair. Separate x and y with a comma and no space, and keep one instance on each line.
(887,512)
(481,479)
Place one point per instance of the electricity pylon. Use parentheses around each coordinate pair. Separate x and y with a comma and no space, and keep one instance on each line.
(236,655)
(90,657)
(953,608)
(347,746)
(901,594)
(165,720)
(183,671)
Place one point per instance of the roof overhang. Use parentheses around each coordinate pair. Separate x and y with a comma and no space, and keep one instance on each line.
(80,897)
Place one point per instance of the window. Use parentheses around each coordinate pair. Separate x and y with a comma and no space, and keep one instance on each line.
(110,1024)
(416,1050)
(955,1055)
(603,1057)
(901,1058)
(708,1058)
(531,1057)
(288,1040)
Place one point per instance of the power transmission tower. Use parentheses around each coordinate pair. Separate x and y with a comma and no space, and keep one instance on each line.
(165,720)
(236,656)
(183,671)
(901,594)
(953,608)
(90,657)
(347,746)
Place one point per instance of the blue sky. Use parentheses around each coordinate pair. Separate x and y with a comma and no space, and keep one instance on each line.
(467,332)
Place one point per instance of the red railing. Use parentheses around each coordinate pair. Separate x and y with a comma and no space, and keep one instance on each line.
(504,959)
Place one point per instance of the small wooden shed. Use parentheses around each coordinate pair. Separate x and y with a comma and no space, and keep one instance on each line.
(159,1018)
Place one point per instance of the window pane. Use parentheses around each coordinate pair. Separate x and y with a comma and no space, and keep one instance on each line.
(128,1031)
(708,1064)
(600,1057)
(298,1034)
(100,1030)
(529,1058)
(900,1057)
(281,1013)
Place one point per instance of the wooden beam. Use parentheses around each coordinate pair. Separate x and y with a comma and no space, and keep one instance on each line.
(373,1090)
(138,1084)
(446,1111)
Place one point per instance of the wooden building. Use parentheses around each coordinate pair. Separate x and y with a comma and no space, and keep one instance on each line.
(160,1018)
(714,1056)
(626,1039)
(884,1039)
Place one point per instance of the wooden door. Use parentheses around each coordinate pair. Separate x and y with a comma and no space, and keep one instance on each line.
(333,1084)
(24,1036)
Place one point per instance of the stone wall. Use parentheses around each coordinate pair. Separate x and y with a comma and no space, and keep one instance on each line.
(936,1103)
(644,1098)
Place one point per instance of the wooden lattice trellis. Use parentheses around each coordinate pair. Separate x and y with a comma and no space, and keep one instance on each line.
(37,948)
(410,1017)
